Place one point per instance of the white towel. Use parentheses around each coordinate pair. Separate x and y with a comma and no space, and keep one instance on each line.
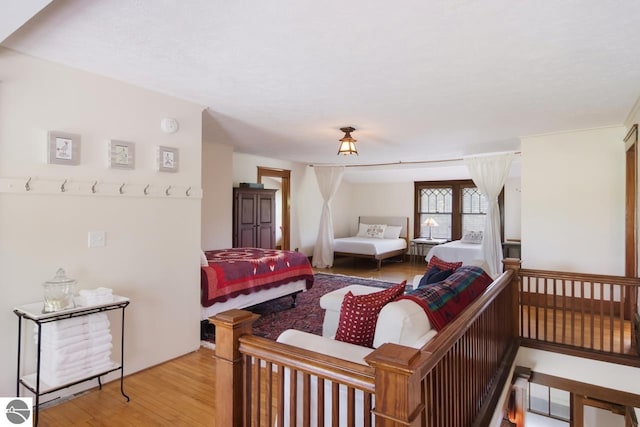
(86,362)
(62,333)
(94,296)
(78,354)
(75,343)
(51,342)
(58,378)
(86,301)
(66,323)
(68,370)
(98,325)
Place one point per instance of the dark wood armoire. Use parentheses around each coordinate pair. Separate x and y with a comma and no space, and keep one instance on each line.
(254,218)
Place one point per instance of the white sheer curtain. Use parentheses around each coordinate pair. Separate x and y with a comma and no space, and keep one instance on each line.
(489,173)
(329,178)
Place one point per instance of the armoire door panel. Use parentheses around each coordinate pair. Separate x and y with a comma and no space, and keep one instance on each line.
(247,238)
(267,207)
(248,210)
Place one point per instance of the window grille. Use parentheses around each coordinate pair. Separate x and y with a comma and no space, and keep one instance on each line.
(474,210)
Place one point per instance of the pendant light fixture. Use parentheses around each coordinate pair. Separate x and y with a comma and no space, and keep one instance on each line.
(347,143)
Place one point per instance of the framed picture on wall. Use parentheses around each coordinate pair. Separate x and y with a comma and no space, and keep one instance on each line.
(63,148)
(122,154)
(168,160)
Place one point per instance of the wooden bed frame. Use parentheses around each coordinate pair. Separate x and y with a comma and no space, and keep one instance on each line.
(402,221)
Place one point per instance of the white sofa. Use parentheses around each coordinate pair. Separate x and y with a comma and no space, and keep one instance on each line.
(401,322)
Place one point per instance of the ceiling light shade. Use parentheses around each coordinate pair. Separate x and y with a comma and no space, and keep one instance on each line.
(347,143)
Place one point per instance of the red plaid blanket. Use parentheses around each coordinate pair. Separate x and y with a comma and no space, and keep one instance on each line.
(442,301)
(241,271)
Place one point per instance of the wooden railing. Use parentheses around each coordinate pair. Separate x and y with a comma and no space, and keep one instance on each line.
(453,381)
(582,314)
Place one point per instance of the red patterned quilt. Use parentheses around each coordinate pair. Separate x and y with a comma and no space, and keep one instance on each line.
(241,271)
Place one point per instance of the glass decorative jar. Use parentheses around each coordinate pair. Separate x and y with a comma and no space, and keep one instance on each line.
(59,292)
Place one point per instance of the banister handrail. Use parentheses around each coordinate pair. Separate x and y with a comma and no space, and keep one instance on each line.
(450,334)
(343,371)
(585,277)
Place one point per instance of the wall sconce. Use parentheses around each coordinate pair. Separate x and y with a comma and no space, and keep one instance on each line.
(347,143)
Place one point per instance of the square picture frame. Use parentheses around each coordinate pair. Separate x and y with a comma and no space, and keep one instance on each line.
(168,159)
(122,154)
(63,148)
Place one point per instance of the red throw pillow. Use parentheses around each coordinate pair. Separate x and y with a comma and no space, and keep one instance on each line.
(442,265)
(359,314)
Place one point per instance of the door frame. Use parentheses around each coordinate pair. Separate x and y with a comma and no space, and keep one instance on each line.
(285,174)
(631,213)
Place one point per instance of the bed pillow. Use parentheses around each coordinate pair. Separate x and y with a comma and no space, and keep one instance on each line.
(392,232)
(362,230)
(472,237)
(359,314)
(442,265)
(371,230)
(203,259)
(434,275)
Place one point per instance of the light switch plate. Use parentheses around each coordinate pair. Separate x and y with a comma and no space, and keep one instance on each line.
(97,239)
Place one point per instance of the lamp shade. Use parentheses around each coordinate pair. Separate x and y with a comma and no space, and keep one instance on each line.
(347,143)
(430,222)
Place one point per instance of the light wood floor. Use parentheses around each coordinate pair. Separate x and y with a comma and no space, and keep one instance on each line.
(181,392)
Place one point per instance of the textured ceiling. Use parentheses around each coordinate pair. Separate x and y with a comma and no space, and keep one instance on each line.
(419,80)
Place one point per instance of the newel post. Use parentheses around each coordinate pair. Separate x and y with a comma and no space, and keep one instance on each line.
(230,325)
(397,385)
(514,264)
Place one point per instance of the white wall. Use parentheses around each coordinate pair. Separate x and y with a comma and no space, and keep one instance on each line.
(512,203)
(306,201)
(603,374)
(152,246)
(217,195)
(397,199)
(381,199)
(573,201)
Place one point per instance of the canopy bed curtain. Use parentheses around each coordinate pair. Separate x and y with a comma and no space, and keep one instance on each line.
(329,179)
(489,173)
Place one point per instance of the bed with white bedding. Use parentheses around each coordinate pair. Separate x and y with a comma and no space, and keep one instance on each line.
(456,251)
(378,238)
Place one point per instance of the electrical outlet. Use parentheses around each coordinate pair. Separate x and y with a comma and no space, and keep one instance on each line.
(97,239)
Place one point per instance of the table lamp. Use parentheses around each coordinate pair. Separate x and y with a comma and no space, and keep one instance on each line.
(430,222)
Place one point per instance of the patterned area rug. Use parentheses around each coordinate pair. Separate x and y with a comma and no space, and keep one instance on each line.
(277,316)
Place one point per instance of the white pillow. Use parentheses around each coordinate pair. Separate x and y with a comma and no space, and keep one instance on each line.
(472,237)
(203,259)
(371,230)
(362,230)
(392,232)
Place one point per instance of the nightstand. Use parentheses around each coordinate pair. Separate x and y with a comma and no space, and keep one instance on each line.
(419,247)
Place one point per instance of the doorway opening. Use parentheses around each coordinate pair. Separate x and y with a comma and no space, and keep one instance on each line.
(279,179)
